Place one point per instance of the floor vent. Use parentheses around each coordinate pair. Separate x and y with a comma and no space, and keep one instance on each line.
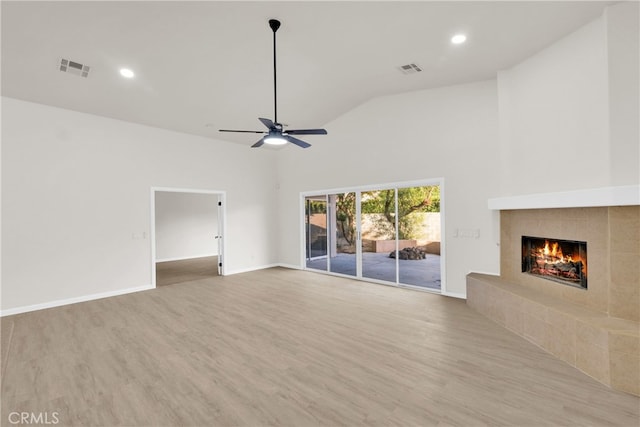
(72,67)
(410,69)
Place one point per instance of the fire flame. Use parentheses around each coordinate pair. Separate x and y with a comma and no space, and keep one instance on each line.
(554,251)
(551,253)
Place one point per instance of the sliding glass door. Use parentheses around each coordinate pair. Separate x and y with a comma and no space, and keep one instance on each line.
(342,226)
(316,238)
(390,235)
(418,225)
(378,231)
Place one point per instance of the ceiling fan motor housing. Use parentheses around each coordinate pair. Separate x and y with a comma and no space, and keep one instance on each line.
(274,24)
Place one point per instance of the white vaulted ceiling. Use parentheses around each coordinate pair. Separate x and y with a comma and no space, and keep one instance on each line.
(203,65)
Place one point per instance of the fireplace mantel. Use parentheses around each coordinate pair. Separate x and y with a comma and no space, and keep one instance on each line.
(628,195)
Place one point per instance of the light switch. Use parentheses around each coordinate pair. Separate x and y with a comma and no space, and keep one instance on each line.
(467,233)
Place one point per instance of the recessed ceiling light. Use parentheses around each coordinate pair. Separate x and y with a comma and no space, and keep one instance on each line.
(125,72)
(458,39)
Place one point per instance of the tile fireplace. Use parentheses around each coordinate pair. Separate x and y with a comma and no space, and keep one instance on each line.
(541,293)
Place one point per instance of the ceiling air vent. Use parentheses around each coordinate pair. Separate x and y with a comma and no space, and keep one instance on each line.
(72,67)
(410,69)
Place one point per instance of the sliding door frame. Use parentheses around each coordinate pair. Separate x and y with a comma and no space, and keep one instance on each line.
(374,187)
(308,231)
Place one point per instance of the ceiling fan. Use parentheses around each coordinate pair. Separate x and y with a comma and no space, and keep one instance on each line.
(275,134)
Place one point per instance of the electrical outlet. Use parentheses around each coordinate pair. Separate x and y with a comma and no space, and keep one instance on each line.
(467,233)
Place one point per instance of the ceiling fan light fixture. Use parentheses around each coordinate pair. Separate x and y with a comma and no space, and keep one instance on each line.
(458,39)
(275,140)
(127,73)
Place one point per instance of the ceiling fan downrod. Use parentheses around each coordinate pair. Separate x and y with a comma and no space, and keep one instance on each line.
(274,24)
(275,134)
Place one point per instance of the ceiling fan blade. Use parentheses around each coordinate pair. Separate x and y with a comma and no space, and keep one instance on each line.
(296,141)
(306,132)
(259,143)
(268,123)
(242,131)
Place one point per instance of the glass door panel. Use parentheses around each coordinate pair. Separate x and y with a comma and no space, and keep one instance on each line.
(316,237)
(378,231)
(342,232)
(419,236)
(390,235)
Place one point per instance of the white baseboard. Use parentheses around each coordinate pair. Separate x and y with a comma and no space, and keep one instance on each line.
(492,273)
(84,298)
(261,267)
(185,257)
(455,295)
(250,269)
(291,266)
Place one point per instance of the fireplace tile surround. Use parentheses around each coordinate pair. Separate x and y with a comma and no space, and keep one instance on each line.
(595,329)
(612,234)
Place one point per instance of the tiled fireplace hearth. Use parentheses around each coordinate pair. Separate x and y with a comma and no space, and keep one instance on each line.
(594,328)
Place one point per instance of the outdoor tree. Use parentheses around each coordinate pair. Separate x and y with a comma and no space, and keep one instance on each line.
(410,200)
(346,215)
(316,207)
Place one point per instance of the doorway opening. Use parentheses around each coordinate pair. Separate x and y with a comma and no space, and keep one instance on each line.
(187,235)
(390,234)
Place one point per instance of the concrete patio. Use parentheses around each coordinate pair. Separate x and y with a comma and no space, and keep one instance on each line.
(424,273)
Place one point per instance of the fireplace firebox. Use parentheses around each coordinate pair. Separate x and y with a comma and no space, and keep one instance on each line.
(563,261)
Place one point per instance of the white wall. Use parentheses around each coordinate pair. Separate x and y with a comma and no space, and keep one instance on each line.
(186,225)
(569,115)
(623,49)
(554,117)
(450,132)
(76,191)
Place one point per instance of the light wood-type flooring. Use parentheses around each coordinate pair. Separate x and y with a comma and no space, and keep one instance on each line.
(284,347)
(186,270)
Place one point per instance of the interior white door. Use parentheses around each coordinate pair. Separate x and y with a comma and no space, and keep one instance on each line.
(219,236)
